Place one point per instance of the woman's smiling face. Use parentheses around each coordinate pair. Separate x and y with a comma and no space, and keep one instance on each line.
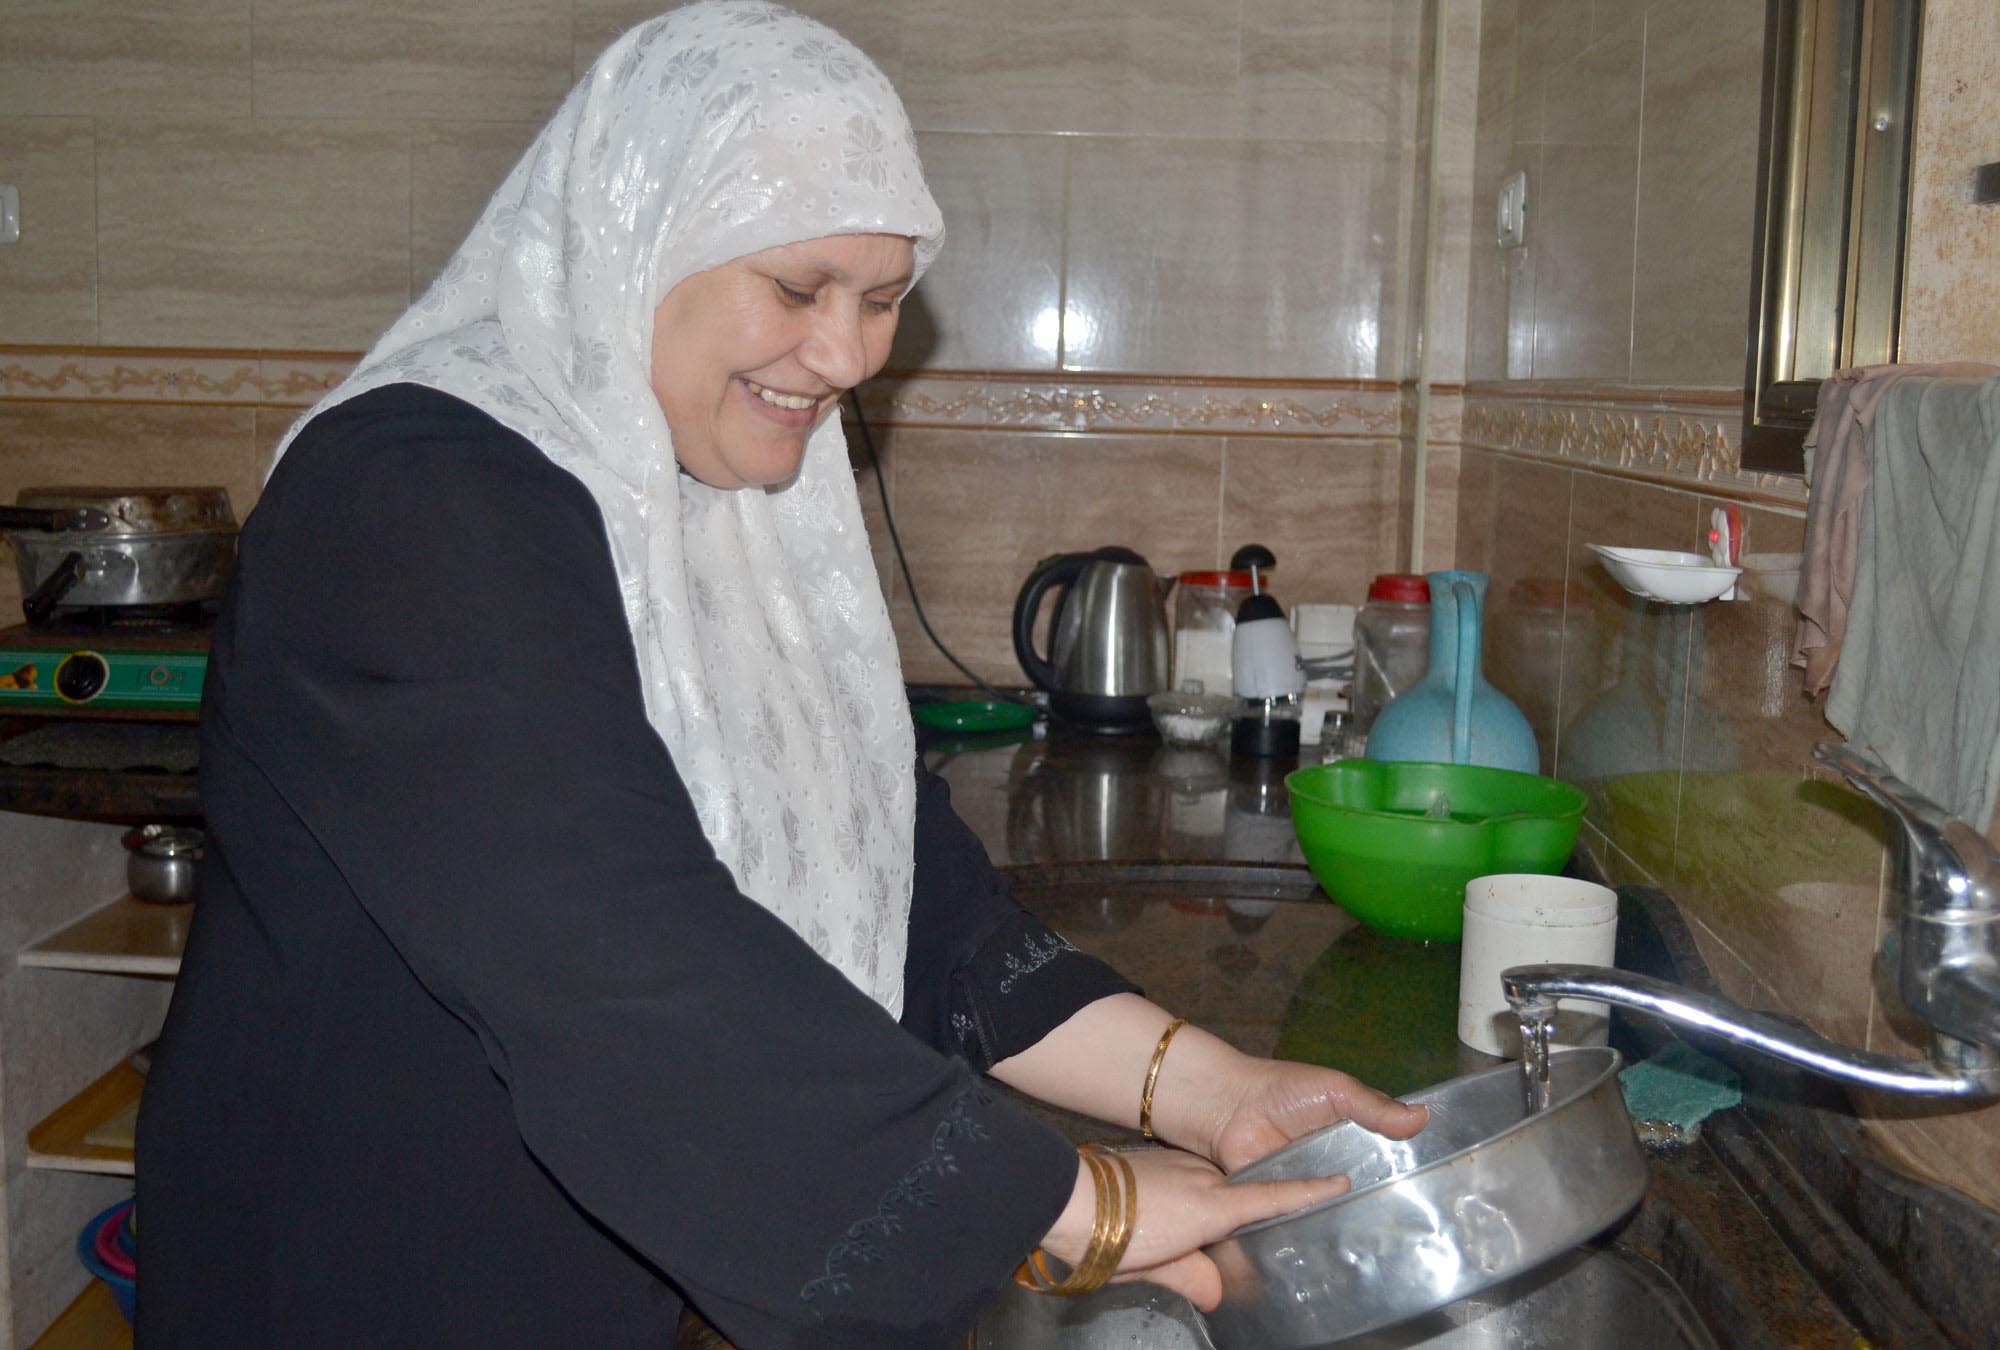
(751,356)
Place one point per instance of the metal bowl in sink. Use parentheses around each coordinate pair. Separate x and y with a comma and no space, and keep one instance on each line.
(1485,1192)
(1586,1300)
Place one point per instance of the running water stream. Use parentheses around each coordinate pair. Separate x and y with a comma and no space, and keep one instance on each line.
(1537,1018)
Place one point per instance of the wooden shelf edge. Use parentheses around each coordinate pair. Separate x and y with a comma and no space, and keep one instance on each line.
(124,937)
(92,1322)
(166,967)
(57,1144)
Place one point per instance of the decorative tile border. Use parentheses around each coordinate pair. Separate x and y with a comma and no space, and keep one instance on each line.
(972,400)
(1109,404)
(1690,438)
(1680,437)
(165,375)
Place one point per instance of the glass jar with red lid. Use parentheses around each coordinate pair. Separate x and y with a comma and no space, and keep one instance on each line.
(1205,605)
(1392,635)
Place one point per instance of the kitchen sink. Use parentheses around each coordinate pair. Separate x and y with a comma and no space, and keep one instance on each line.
(1592,1299)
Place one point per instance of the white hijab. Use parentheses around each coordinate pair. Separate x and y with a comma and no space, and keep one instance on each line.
(764,645)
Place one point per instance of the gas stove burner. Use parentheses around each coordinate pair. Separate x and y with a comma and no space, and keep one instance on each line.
(86,620)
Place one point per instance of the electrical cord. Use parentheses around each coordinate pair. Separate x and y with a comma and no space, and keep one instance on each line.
(903,561)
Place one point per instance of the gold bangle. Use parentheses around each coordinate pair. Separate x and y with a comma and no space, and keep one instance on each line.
(1153,1076)
(1116,1190)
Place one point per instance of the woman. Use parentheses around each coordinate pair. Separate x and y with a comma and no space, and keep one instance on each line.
(579,939)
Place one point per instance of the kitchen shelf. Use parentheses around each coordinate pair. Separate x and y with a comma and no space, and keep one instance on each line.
(49,767)
(93,1322)
(125,937)
(60,1143)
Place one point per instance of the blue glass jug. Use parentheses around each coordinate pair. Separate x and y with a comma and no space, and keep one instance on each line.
(1452,715)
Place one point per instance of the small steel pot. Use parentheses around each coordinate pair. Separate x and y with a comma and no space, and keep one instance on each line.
(160,862)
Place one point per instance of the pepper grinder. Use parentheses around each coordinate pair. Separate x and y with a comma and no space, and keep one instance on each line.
(1264,667)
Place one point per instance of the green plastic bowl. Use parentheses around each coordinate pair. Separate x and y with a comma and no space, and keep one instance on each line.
(1366,829)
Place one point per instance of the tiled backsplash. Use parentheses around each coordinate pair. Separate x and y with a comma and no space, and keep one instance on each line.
(1636,121)
(1692,736)
(1190,187)
(1636,124)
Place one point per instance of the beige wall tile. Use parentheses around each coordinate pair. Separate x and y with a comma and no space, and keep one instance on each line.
(1625,733)
(875,26)
(1953,252)
(1704,68)
(49,278)
(1581,237)
(1329,510)
(1593,99)
(455,167)
(498,60)
(1440,509)
(125,58)
(1959,1149)
(1551,34)
(1786,868)
(1131,67)
(1618,869)
(1610,17)
(1231,258)
(1329,70)
(1462,220)
(141,446)
(993,300)
(1495,274)
(244,234)
(977,510)
(1499,33)
(1788,872)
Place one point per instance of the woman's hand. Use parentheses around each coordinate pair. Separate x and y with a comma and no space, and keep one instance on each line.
(1209,1098)
(1276,1101)
(1183,1204)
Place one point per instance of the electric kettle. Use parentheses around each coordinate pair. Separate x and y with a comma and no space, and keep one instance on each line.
(1107,642)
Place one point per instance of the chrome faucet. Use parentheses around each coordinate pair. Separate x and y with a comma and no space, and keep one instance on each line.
(1945,956)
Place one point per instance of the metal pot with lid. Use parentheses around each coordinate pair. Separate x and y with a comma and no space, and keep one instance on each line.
(119,546)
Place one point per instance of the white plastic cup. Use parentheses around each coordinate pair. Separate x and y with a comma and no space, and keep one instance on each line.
(1521,919)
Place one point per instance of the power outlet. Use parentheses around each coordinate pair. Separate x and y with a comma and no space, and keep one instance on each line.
(1512,220)
(10,214)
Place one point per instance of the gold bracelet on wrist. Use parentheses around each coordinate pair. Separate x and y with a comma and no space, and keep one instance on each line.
(1153,1076)
(1117,1194)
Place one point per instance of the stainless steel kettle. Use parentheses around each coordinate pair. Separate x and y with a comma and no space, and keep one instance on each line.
(1108,640)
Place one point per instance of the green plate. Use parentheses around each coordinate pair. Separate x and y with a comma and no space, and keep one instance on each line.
(974,715)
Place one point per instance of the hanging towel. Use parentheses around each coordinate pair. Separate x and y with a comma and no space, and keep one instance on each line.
(1919,678)
(1837,467)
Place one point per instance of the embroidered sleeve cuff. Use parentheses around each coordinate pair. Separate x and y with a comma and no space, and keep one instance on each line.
(1023,982)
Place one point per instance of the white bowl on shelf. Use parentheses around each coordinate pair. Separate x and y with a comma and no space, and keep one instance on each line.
(1666,575)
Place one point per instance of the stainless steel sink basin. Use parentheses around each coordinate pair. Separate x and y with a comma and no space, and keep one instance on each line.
(1593,1299)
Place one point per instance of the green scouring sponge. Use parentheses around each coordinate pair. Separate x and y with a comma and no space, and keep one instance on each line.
(1671,1094)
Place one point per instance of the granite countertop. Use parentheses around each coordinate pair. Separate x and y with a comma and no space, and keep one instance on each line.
(1180,868)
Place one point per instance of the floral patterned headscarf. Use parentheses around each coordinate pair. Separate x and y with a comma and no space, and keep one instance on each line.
(769,667)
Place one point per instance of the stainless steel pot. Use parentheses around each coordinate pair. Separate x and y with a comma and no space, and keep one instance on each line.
(160,862)
(1484,1192)
(120,546)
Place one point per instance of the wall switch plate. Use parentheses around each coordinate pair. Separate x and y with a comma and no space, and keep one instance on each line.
(10,214)
(1513,213)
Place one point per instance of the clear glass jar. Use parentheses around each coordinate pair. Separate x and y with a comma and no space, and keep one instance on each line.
(1205,605)
(1392,636)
